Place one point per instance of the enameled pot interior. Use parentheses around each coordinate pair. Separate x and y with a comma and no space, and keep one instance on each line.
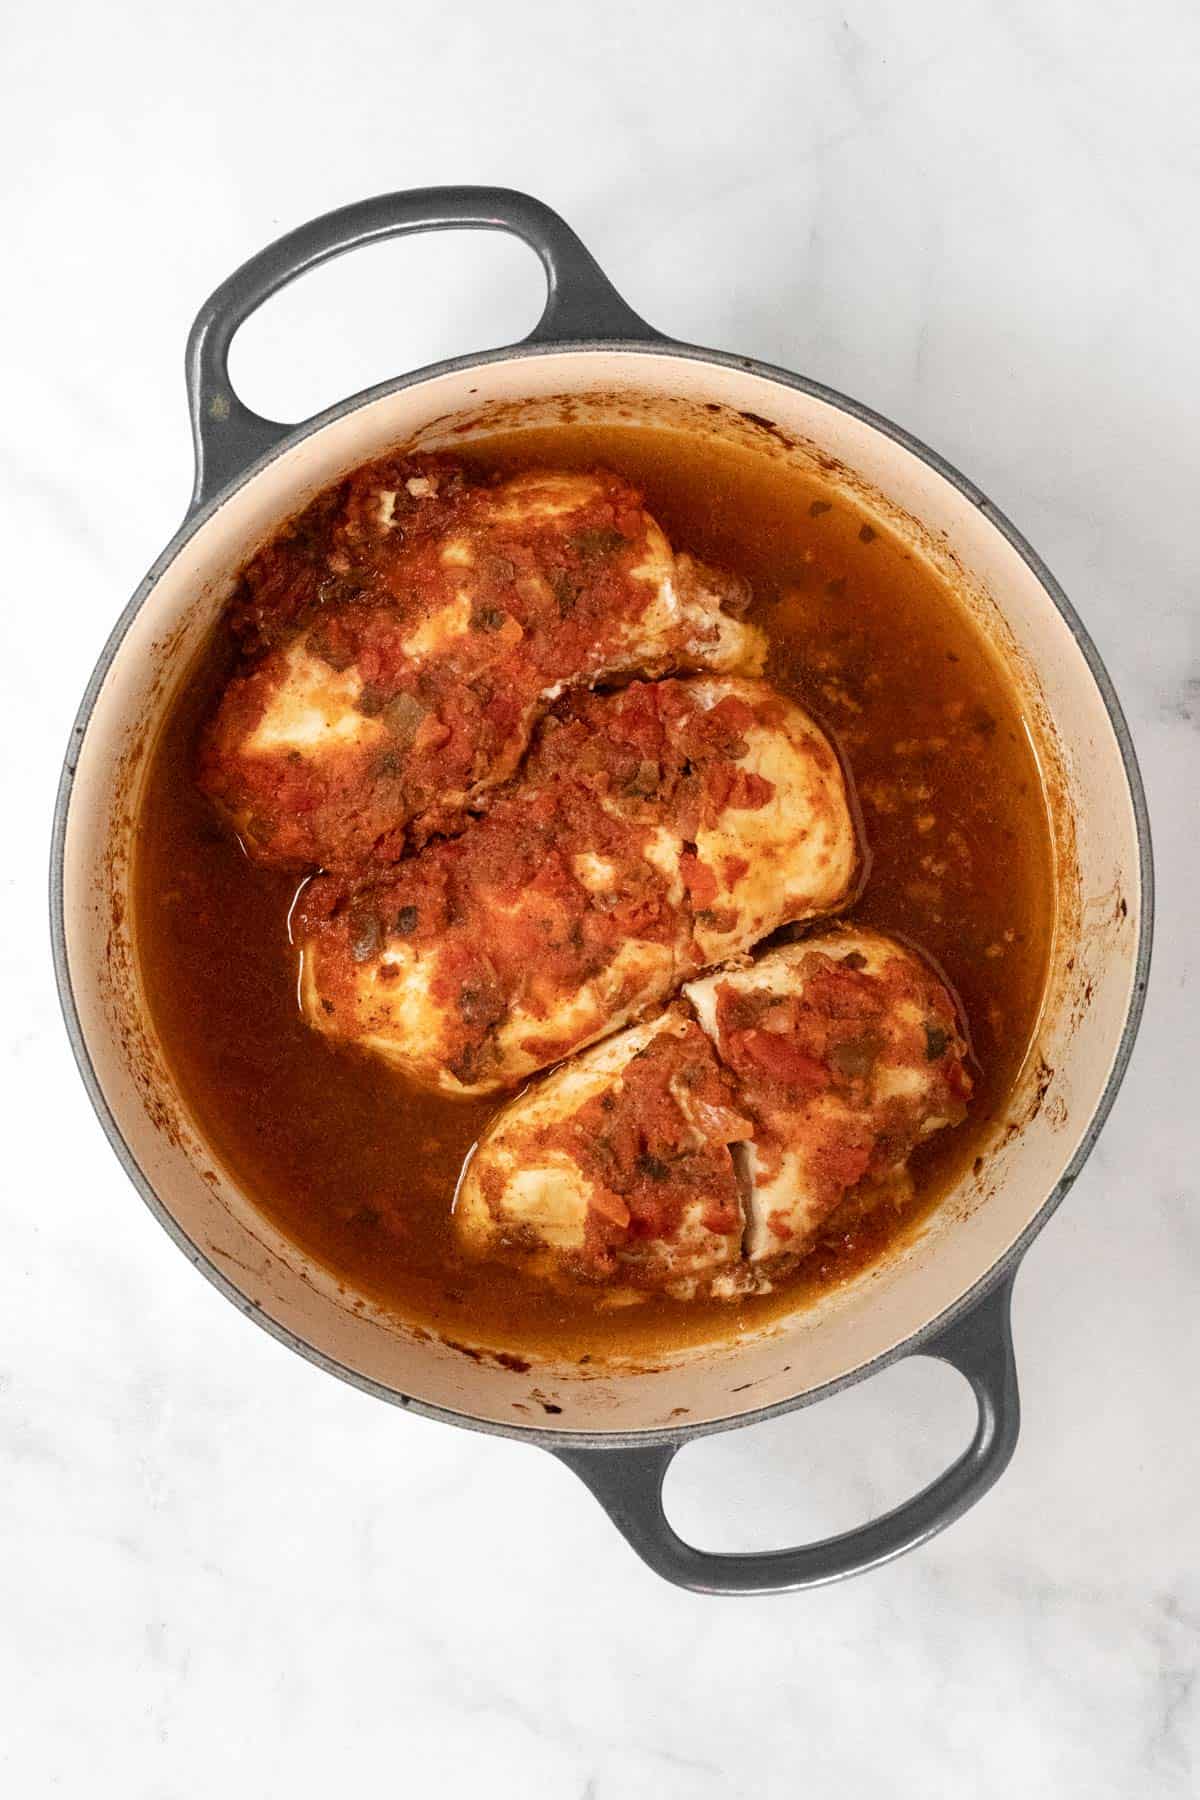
(1093,960)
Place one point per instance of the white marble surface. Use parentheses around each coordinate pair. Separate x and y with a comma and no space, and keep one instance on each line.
(222,1572)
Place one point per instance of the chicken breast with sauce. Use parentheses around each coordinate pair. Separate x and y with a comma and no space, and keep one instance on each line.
(411,629)
(704,1151)
(615,1169)
(653,831)
(846,1052)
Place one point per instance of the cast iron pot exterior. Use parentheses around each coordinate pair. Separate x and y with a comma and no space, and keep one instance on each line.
(625,1469)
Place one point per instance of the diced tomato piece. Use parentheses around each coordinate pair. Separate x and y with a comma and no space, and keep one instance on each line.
(610,1206)
(782,1058)
(749,791)
(431,734)
(842,1164)
(698,879)
(732,714)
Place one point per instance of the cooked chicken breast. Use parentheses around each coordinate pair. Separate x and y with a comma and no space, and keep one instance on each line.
(846,1052)
(615,1169)
(652,832)
(413,628)
(706,1149)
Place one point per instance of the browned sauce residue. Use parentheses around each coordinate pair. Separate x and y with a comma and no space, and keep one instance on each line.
(360,1169)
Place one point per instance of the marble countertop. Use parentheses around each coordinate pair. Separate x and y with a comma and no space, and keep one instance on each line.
(223,1572)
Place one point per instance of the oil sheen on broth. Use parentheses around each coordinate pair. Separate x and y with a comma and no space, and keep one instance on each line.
(360,1169)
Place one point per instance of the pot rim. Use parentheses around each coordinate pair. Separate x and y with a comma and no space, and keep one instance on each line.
(1005,1265)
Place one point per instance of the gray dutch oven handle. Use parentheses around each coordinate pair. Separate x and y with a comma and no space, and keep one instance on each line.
(581,303)
(628,1482)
